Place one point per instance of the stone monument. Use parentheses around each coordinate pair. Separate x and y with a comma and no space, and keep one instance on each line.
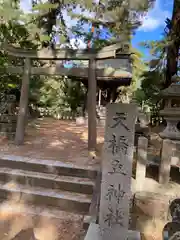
(116,176)
(171,111)
(117,171)
(8,117)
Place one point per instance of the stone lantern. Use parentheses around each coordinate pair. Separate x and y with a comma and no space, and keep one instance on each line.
(171,111)
(8,117)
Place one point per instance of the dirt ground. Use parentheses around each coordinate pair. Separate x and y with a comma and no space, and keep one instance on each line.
(48,138)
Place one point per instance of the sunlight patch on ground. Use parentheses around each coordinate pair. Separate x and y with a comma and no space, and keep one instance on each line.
(56,143)
(46,230)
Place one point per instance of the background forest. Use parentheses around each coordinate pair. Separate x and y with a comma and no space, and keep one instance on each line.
(85,23)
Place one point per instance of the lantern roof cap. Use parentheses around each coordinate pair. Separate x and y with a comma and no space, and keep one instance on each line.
(174,89)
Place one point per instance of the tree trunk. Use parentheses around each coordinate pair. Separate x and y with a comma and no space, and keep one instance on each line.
(172,63)
(173,49)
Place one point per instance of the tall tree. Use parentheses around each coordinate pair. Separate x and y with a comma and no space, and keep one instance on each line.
(123,16)
(166,51)
(173,27)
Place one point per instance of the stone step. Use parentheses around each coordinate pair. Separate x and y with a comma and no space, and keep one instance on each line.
(47,166)
(45,180)
(64,200)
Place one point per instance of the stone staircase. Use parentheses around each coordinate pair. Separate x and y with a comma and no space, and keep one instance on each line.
(48,184)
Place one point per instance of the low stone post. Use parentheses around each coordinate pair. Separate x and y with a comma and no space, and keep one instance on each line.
(165,165)
(141,162)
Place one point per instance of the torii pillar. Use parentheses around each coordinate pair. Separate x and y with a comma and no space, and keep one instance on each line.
(92,131)
(23,106)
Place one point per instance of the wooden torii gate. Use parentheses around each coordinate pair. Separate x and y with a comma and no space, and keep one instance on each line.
(91,72)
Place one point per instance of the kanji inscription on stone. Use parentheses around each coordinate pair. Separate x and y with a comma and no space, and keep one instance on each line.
(116,171)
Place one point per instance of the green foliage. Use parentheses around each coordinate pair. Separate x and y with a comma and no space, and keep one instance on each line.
(9,10)
(121,17)
(138,68)
(140,96)
(11,32)
(14,32)
(61,94)
(151,84)
(149,93)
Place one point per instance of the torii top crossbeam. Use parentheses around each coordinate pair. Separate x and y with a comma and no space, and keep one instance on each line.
(111,51)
